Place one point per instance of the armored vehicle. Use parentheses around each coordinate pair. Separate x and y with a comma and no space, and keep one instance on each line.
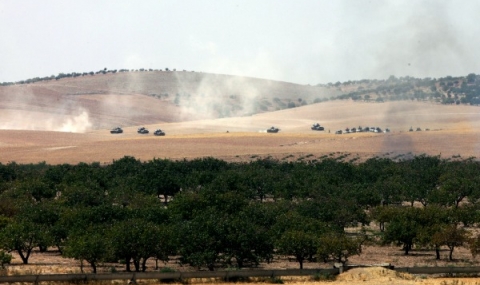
(116,130)
(159,132)
(142,130)
(273,130)
(317,127)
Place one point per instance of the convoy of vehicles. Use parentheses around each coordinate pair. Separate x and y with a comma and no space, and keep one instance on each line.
(315,127)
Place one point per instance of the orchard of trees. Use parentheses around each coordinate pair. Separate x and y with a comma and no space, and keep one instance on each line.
(212,214)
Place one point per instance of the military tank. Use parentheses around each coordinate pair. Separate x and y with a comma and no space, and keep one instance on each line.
(159,132)
(116,130)
(273,130)
(142,130)
(317,127)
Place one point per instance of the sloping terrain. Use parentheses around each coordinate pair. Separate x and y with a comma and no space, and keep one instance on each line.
(79,104)
(68,120)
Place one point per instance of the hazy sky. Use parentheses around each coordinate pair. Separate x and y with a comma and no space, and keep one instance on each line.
(306,42)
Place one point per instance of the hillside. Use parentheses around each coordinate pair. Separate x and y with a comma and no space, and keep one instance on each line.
(105,100)
(447,90)
(68,120)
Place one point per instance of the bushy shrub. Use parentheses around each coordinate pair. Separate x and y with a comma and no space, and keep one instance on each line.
(5,258)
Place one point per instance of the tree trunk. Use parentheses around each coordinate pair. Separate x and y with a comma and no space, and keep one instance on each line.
(144,264)
(450,255)
(25,256)
(407,248)
(239,262)
(127,264)
(437,253)
(300,260)
(60,250)
(94,266)
(136,263)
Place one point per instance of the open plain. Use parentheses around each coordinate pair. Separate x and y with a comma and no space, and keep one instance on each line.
(445,130)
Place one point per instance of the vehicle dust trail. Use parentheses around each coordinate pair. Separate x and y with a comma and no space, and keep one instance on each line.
(216,96)
(23,109)
(42,121)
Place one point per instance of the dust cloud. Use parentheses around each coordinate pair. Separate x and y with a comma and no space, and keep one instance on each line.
(76,124)
(217,97)
(40,121)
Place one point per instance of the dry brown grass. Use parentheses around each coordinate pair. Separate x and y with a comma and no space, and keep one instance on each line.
(454,130)
(51,262)
(55,148)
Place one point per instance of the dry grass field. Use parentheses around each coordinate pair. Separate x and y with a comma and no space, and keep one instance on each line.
(52,263)
(453,131)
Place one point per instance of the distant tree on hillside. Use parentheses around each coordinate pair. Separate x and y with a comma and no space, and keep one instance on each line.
(471,78)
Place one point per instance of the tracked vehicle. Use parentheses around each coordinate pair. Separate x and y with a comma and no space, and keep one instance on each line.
(142,130)
(159,132)
(116,130)
(273,130)
(317,127)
